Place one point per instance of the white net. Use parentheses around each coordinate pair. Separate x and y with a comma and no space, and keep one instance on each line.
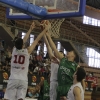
(55,27)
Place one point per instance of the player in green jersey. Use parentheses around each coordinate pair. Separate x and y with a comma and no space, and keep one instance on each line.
(43,89)
(67,68)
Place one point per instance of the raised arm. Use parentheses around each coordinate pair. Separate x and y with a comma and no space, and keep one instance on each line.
(31,48)
(28,33)
(48,47)
(38,87)
(58,55)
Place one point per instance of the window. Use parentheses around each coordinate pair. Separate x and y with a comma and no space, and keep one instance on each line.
(39,48)
(94,57)
(85,20)
(58,46)
(23,34)
(99,23)
(65,52)
(45,50)
(31,39)
(95,22)
(91,21)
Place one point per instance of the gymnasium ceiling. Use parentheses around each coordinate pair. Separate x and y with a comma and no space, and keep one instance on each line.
(93,3)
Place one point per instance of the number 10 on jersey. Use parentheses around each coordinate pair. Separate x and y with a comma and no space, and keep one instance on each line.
(20,59)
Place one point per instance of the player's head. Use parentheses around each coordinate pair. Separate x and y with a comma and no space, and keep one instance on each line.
(40,42)
(71,54)
(19,43)
(61,52)
(79,75)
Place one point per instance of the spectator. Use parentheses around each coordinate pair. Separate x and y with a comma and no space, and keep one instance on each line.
(34,61)
(39,44)
(3,59)
(8,55)
(36,70)
(1,47)
(39,57)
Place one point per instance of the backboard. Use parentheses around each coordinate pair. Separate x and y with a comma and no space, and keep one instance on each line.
(56,9)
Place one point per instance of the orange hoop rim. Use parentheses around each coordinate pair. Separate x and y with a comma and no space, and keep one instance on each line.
(54,10)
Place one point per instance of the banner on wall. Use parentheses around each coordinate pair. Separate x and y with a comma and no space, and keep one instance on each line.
(33,79)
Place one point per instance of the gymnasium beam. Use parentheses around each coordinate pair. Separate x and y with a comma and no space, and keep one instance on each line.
(83,33)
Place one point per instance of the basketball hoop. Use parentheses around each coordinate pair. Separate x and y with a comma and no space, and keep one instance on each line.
(55,27)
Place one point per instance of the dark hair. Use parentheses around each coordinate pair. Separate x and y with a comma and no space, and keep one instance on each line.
(61,52)
(19,43)
(40,42)
(80,74)
(14,40)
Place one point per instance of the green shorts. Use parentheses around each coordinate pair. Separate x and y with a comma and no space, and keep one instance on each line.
(62,91)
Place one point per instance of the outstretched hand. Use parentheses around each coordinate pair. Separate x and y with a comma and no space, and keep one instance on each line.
(63,98)
(32,26)
(47,25)
(37,88)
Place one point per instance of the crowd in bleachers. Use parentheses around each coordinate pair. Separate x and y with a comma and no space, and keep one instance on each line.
(38,66)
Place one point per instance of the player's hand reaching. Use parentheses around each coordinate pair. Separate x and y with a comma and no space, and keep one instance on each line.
(63,98)
(37,88)
(32,26)
(41,82)
(47,25)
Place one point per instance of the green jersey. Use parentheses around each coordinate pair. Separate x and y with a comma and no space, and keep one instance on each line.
(65,76)
(44,93)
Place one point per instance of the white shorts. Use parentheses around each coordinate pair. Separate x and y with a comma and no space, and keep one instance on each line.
(53,88)
(16,89)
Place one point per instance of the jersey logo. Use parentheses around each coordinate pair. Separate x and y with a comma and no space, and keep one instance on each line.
(73,64)
(23,68)
(16,67)
(65,70)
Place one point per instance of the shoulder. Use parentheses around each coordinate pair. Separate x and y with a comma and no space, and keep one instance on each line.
(14,48)
(76,65)
(63,59)
(76,90)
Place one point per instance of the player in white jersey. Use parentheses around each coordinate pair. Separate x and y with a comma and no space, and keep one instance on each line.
(54,71)
(76,92)
(18,81)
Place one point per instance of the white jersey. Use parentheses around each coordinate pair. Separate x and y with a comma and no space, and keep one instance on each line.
(19,64)
(54,71)
(71,94)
